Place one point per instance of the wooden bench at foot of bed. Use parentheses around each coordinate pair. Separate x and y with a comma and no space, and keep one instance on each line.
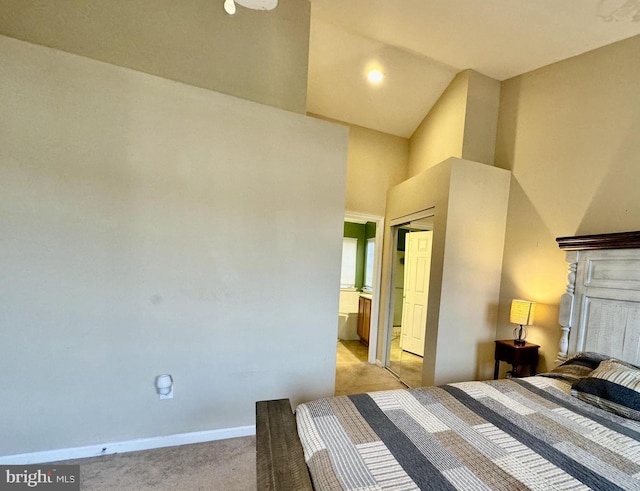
(280,461)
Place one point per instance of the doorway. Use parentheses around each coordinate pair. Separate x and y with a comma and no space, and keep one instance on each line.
(410,275)
(372,247)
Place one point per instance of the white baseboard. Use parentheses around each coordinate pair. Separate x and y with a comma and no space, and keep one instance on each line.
(127,446)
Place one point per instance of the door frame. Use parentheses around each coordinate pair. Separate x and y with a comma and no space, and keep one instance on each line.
(377,275)
(394,225)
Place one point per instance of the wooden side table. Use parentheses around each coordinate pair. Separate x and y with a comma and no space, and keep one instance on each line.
(517,355)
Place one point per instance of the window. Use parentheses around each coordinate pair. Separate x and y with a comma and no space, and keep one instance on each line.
(349,259)
(368,263)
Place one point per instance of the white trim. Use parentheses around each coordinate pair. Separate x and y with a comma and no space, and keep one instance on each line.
(418,215)
(127,446)
(351,216)
(394,225)
(389,307)
(377,277)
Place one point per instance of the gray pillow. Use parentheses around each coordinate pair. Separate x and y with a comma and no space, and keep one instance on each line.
(577,367)
(614,386)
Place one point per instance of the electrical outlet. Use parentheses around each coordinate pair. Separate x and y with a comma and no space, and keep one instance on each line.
(164,386)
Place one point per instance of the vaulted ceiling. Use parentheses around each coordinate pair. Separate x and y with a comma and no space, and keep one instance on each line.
(420,45)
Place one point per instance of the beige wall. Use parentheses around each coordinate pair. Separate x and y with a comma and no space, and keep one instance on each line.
(257,55)
(569,133)
(441,133)
(469,204)
(377,162)
(481,118)
(461,124)
(153,227)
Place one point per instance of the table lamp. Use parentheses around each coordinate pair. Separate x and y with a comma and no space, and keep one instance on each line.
(522,314)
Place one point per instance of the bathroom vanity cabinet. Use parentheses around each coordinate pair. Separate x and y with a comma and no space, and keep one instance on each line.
(364,319)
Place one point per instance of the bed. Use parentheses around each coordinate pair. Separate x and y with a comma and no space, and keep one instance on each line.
(575,427)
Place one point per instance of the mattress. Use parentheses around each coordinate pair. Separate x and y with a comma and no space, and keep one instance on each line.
(503,435)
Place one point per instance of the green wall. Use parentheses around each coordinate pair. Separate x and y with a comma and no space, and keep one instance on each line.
(362,232)
(402,238)
(369,230)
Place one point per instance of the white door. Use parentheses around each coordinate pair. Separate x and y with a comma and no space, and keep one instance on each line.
(417,268)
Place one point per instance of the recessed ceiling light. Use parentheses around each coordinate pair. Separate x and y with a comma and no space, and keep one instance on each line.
(230,7)
(375,76)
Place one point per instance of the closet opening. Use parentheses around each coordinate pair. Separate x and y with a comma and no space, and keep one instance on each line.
(410,275)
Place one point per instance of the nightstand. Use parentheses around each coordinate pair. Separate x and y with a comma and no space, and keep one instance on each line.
(517,355)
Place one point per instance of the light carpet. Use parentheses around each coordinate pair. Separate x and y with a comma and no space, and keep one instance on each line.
(224,465)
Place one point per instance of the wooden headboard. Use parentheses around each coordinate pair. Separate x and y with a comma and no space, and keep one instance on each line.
(600,310)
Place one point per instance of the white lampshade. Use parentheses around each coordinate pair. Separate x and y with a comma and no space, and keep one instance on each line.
(522,312)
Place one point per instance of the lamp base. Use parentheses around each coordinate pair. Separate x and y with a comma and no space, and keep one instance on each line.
(519,335)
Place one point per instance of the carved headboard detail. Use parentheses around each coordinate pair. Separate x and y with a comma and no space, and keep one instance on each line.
(600,310)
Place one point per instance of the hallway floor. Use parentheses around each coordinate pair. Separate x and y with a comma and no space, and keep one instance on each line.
(407,366)
(355,375)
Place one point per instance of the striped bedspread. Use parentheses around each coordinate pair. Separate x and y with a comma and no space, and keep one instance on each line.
(502,435)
